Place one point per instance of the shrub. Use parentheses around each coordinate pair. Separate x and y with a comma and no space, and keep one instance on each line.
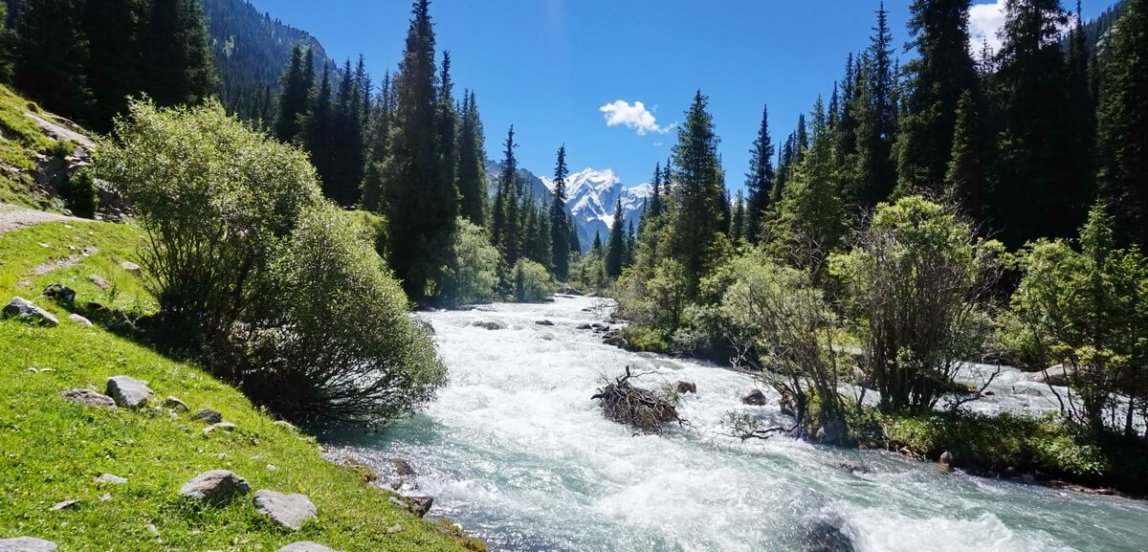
(472,276)
(80,193)
(914,285)
(532,283)
(333,328)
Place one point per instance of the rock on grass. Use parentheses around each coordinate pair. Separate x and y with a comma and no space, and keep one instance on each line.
(216,486)
(29,544)
(128,392)
(305,547)
(290,511)
(25,310)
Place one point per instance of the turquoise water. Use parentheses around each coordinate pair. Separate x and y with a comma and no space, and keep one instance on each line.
(515,450)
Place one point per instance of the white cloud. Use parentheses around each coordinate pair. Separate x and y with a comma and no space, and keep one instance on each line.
(985,22)
(635,116)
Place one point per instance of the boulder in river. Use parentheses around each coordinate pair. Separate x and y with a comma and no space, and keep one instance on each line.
(754,398)
(827,535)
(687,387)
(1054,375)
(641,408)
(489,325)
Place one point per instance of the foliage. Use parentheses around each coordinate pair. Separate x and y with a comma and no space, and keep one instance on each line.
(80,193)
(913,284)
(472,276)
(1086,310)
(53,447)
(532,283)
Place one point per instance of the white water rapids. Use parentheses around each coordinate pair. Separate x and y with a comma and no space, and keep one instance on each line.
(515,450)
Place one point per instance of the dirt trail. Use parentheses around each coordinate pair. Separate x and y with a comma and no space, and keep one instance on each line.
(15,218)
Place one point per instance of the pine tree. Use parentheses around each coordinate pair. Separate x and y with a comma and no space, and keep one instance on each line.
(846,128)
(1082,119)
(345,177)
(965,179)
(319,127)
(696,194)
(372,188)
(1034,172)
(471,163)
(875,173)
(421,204)
(631,245)
(1123,123)
(52,55)
(114,31)
(575,243)
(655,209)
(293,97)
(447,124)
(507,182)
(616,248)
(560,230)
(759,181)
(177,58)
(597,247)
(943,71)
(737,228)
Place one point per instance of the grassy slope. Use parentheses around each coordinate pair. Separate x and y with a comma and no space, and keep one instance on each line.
(52,450)
(21,140)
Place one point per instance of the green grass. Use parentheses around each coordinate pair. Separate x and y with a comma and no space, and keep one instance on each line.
(20,141)
(52,450)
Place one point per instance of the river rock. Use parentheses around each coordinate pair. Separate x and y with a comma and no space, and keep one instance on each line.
(305,546)
(27,544)
(417,505)
(827,536)
(544,323)
(492,326)
(288,510)
(788,405)
(831,432)
(25,310)
(754,398)
(87,397)
(687,387)
(61,293)
(208,415)
(128,392)
(946,458)
(216,486)
(80,320)
(1054,375)
(402,468)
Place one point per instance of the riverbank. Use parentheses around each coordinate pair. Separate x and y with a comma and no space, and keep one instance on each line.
(97,478)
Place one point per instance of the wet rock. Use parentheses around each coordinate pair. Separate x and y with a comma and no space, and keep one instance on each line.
(854,469)
(61,293)
(584,327)
(305,546)
(616,341)
(27,544)
(216,487)
(832,432)
(25,310)
(687,387)
(100,282)
(87,397)
(402,468)
(111,479)
(492,326)
(827,535)
(1054,375)
(417,505)
(544,323)
(946,458)
(80,320)
(290,511)
(754,398)
(208,415)
(788,405)
(128,392)
(175,404)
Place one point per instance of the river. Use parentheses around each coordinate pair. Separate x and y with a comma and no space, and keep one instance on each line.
(515,451)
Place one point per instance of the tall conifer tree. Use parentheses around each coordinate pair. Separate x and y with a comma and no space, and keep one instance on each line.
(560,232)
(759,181)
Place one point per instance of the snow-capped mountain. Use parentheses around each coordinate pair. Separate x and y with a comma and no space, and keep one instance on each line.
(592,196)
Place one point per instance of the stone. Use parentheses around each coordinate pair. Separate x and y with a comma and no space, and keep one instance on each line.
(215,486)
(221,426)
(832,432)
(687,387)
(402,468)
(208,415)
(25,310)
(87,397)
(290,511)
(754,398)
(61,293)
(396,528)
(64,505)
(947,458)
(788,405)
(100,282)
(80,320)
(305,546)
(128,392)
(490,325)
(417,505)
(111,479)
(287,425)
(1054,375)
(616,341)
(27,544)
(544,323)
(131,267)
(175,404)
(827,535)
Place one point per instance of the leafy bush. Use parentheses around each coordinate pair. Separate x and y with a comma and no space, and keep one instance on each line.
(472,276)
(1085,310)
(80,193)
(914,285)
(532,283)
(273,287)
(333,328)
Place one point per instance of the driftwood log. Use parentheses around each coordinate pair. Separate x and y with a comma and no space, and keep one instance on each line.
(640,408)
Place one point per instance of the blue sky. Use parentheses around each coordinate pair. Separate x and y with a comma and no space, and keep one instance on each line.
(550,67)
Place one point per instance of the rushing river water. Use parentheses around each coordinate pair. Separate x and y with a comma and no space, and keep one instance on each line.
(515,450)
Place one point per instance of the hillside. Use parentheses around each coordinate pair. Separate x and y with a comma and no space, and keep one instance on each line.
(36,149)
